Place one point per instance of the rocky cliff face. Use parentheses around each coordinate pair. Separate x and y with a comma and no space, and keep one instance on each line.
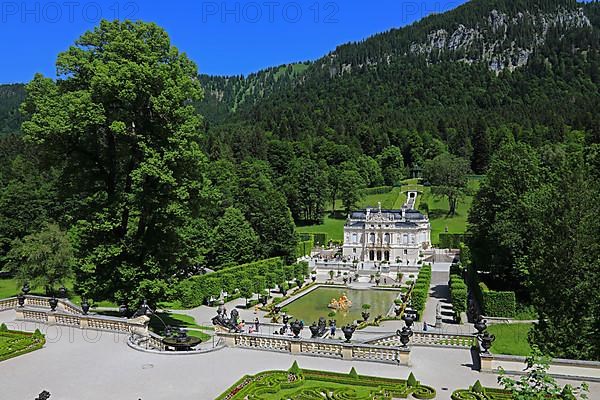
(502,41)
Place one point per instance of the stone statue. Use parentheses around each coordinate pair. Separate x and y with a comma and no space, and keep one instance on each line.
(230,324)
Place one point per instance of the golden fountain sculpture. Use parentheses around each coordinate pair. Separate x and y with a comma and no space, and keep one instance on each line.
(341,304)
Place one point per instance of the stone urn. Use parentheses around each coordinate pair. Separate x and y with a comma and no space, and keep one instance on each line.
(53,303)
(397,311)
(408,319)
(62,292)
(405,335)
(313,278)
(314,330)
(85,307)
(348,332)
(26,288)
(365,315)
(21,300)
(480,325)
(123,310)
(345,279)
(297,327)
(486,341)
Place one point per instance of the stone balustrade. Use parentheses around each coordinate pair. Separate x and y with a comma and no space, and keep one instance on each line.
(428,339)
(96,322)
(318,347)
(40,302)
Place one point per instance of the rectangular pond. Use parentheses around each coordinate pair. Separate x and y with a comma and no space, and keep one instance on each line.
(313,305)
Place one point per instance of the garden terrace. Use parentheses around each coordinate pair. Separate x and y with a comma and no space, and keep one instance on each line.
(309,384)
(16,343)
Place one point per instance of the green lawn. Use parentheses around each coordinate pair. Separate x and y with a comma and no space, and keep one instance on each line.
(334,228)
(511,339)
(438,210)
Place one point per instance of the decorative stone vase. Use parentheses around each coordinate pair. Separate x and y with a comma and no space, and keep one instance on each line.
(123,310)
(314,330)
(345,280)
(85,306)
(365,315)
(313,278)
(408,320)
(486,341)
(25,288)
(480,325)
(296,327)
(62,292)
(348,332)
(53,303)
(397,311)
(21,299)
(405,335)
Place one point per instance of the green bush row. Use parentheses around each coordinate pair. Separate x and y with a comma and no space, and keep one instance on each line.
(378,190)
(241,280)
(451,240)
(420,290)
(497,304)
(458,294)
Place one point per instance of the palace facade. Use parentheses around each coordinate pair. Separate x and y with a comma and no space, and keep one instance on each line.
(372,237)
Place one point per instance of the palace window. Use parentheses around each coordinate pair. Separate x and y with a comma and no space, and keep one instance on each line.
(371,255)
(371,238)
(386,238)
(354,238)
(386,255)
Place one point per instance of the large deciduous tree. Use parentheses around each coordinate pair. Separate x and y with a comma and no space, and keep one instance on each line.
(121,118)
(44,259)
(448,175)
(392,165)
(233,240)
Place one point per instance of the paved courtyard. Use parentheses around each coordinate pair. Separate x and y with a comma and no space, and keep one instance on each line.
(76,365)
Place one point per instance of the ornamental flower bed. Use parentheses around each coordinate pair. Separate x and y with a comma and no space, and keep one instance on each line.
(299,384)
(16,343)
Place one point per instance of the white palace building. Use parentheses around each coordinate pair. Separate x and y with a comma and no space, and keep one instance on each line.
(392,237)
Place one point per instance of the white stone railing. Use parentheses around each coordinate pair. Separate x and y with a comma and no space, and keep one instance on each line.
(96,322)
(427,339)
(40,302)
(318,347)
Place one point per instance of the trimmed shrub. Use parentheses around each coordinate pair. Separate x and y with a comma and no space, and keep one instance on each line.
(458,295)
(499,304)
(197,290)
(452,240)
(377,190)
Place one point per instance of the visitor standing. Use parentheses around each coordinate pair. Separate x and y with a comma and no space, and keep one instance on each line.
(332,330)
(256,324)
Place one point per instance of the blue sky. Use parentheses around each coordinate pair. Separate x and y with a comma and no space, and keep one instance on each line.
(223,37)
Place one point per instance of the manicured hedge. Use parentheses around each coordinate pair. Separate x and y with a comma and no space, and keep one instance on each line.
(378,190)
(420,290)
(452,240)
(497,304)
(458,294)
(263,274)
